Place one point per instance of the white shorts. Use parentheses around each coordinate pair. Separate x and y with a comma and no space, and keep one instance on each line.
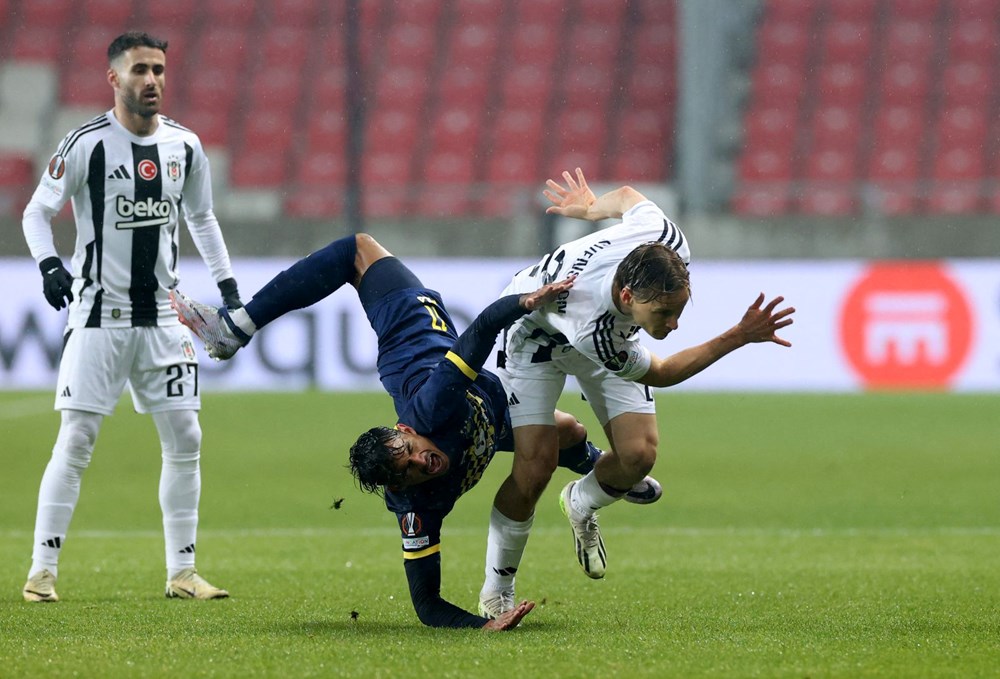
(533,389)
(158,363)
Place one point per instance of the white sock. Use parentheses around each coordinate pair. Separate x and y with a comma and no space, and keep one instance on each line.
(60,487)
(242,320)
(587,496)
(504,548)
(180,486)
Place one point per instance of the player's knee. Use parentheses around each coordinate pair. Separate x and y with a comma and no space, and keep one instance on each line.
(639,458)
(570,430)
(77,437)
(180,436)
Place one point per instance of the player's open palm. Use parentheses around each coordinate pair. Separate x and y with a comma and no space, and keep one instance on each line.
(761,323)
(572,200)
(511,618)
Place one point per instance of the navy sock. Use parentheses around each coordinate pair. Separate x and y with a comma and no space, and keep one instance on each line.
(304,283)
(580,457)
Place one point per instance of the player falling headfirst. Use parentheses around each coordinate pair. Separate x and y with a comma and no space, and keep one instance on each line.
(452,415)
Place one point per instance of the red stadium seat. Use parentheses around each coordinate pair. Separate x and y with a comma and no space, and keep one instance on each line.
(910,41)
(896,199)
(229,12)
(836,200)
(973,40)
(798,11)
(551,12)
(466,85)
(762,201)
(959,164)
(832,165)
(268,130)
(514,166)
(212,84)
(175,12)
(16,171)
(326,131)
(392,129)
(575,126)
(765,165)
(783,41)
(448,167)
(56,14)
(258,169)
(894,164)
(962,126)
(979,10)
(473,43)
(210,124)
(386,168)
(329,88)
(286,47)
(847,41)
(455,129)
(645,129)
(479,11)
(403,87)
(842,83)
(320,169)
(86,91)
(226,48)
(418,12)
(639,165)
(89,48)
(588,86)
(774,127)
(536,44)
(410,44)
(36,43)
(967,83)
(924,10)
(779,84)
(111,13)
(836,126)
(300,13)
(315,203)
(654,44)
(526,85)
(601,11)
(905,83)
(518,128)
(592,43)
(854,10)
(958,198)
(898,125)
(651,86)
(276,87)
(570,158)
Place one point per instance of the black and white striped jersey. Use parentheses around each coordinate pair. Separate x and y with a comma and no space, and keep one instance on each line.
(586,317)
(127,194)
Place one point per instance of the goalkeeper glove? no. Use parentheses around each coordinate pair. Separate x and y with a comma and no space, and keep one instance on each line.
(57,284)
(230,293)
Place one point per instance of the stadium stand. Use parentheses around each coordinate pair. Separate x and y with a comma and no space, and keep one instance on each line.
(875,105)
(465,99)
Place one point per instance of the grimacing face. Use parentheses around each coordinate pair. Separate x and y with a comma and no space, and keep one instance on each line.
(658,317)
(416,459)
(138,76)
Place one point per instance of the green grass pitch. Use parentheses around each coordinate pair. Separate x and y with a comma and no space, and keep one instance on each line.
(799,536)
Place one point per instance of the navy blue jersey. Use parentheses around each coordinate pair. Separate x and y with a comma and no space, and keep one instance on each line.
(439,391)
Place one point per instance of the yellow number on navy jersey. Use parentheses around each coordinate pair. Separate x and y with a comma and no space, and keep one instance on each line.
(432,308)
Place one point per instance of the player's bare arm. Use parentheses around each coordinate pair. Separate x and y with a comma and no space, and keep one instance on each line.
(511,618)
(760,323)
(574,199)
(545,294)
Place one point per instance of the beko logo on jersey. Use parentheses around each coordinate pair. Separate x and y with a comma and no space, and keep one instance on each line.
(142,213)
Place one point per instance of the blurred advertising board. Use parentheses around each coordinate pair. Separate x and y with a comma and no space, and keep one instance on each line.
(859,325)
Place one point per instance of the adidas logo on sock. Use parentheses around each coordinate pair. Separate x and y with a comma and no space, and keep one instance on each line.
(120,173)
(187,550)
(513,401)
(55,542)
(509,571)
(65,393)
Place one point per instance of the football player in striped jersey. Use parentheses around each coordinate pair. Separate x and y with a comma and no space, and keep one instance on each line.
(129,174)
(630,276)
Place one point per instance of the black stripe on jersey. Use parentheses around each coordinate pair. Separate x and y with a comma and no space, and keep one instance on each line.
(602,337)
(145,241)
(95,186)
(95,124)
(188,160)
(676,237)
(173,123)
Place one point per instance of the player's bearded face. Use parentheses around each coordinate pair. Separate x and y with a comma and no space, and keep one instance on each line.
(139,80)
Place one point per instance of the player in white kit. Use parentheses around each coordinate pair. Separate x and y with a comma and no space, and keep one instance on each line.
(630,276)
(129,174)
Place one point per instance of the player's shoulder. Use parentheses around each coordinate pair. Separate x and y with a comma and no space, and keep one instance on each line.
(174,128)
(91,131)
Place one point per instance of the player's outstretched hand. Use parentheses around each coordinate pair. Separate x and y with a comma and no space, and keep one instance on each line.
(511,618)
(760,324)
(573,200)
(546,294)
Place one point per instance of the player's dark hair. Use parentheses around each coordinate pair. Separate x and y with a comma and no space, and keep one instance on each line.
(371,459)
(652,270)
(127,41)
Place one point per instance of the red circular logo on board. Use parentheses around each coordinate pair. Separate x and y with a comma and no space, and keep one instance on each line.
(147,169)
(906,324)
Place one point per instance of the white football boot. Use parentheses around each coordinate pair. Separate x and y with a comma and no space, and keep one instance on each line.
(40,587)
(590,550)
(189,585)
(494,604)
(206,322)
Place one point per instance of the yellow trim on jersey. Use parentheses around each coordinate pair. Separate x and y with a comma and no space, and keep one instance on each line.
(423,552)
(462,365)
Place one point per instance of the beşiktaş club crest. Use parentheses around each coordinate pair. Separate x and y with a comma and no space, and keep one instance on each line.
(174,168)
